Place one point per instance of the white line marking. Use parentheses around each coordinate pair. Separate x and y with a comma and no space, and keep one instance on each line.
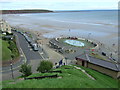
(19,65)
(41,55)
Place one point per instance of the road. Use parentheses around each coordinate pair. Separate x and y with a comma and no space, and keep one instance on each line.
(28,51)
(32,57)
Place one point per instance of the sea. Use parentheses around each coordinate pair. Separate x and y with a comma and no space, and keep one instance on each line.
(91,23)
(92,17)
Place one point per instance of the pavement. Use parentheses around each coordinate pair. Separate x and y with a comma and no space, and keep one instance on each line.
(53,55)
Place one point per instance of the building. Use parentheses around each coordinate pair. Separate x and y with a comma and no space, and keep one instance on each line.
(4,26)
(105,67)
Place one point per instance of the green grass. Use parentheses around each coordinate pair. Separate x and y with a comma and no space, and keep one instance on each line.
(71,78)
(99,56)
(6,52)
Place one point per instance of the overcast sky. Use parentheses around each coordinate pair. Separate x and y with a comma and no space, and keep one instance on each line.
(59,4)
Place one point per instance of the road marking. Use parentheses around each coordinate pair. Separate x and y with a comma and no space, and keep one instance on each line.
(21,49)
(21,55)
(41,55)
(28,45)
(19,65)
(10,69)
(24,56)
(30,49)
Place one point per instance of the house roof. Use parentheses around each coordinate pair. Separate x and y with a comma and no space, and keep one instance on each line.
(83,57)
(103,63)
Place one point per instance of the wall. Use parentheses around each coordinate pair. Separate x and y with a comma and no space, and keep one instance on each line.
(103,70)
(79,62)
(106,71)
(118,75)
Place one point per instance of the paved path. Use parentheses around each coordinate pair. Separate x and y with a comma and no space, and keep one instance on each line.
(53,55)
(85,72)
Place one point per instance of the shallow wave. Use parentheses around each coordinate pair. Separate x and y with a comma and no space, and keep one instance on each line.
(88,23)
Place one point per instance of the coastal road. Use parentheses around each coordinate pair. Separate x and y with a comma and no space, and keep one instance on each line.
(32,57)
(28,51)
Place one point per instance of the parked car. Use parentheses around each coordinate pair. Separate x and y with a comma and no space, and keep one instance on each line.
(35,47)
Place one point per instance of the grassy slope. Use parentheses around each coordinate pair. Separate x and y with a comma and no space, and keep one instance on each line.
(0,49)
(71,78)
(6,52)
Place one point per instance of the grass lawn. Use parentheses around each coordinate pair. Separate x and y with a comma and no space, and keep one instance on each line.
(6,52)
(99,56)
(71,78)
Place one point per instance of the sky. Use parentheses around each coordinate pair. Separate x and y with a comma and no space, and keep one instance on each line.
(59,4)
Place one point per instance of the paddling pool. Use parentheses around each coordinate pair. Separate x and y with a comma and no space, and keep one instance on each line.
(75,43)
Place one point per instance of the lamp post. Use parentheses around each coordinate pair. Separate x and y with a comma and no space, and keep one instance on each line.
(69,32)
(42,45)
(89,35)
(11,65)
(12,70)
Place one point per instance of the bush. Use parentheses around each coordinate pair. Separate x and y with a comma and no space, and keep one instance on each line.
(26,70)
(44,66)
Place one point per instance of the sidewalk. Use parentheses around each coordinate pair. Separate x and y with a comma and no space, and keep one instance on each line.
(53,56)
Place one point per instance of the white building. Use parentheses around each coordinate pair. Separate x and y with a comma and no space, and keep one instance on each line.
(4,26)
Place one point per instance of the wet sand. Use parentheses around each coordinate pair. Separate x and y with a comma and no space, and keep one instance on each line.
(45,29)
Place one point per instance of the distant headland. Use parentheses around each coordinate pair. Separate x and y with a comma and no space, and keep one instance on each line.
(25,11)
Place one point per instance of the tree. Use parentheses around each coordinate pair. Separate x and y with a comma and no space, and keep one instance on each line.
(45,66)
(26,70)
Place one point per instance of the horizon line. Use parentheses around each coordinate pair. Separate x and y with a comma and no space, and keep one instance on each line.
(62,10)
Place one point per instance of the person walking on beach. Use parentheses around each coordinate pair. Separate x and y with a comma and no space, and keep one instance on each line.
(60,62)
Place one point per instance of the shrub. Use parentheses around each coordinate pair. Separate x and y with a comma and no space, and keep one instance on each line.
(12,46)
(26,70)
(44,66)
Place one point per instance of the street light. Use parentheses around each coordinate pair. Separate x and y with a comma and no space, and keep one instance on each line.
(42,45)
(89,35)
(12,70)
(69,32)
(11,65)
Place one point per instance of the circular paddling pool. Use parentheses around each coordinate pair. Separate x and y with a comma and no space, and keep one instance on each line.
(75,43)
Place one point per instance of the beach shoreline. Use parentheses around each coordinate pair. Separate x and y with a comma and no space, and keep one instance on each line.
(45,29)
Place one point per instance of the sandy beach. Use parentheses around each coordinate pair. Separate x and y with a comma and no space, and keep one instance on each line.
(45,29)
(107,34)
